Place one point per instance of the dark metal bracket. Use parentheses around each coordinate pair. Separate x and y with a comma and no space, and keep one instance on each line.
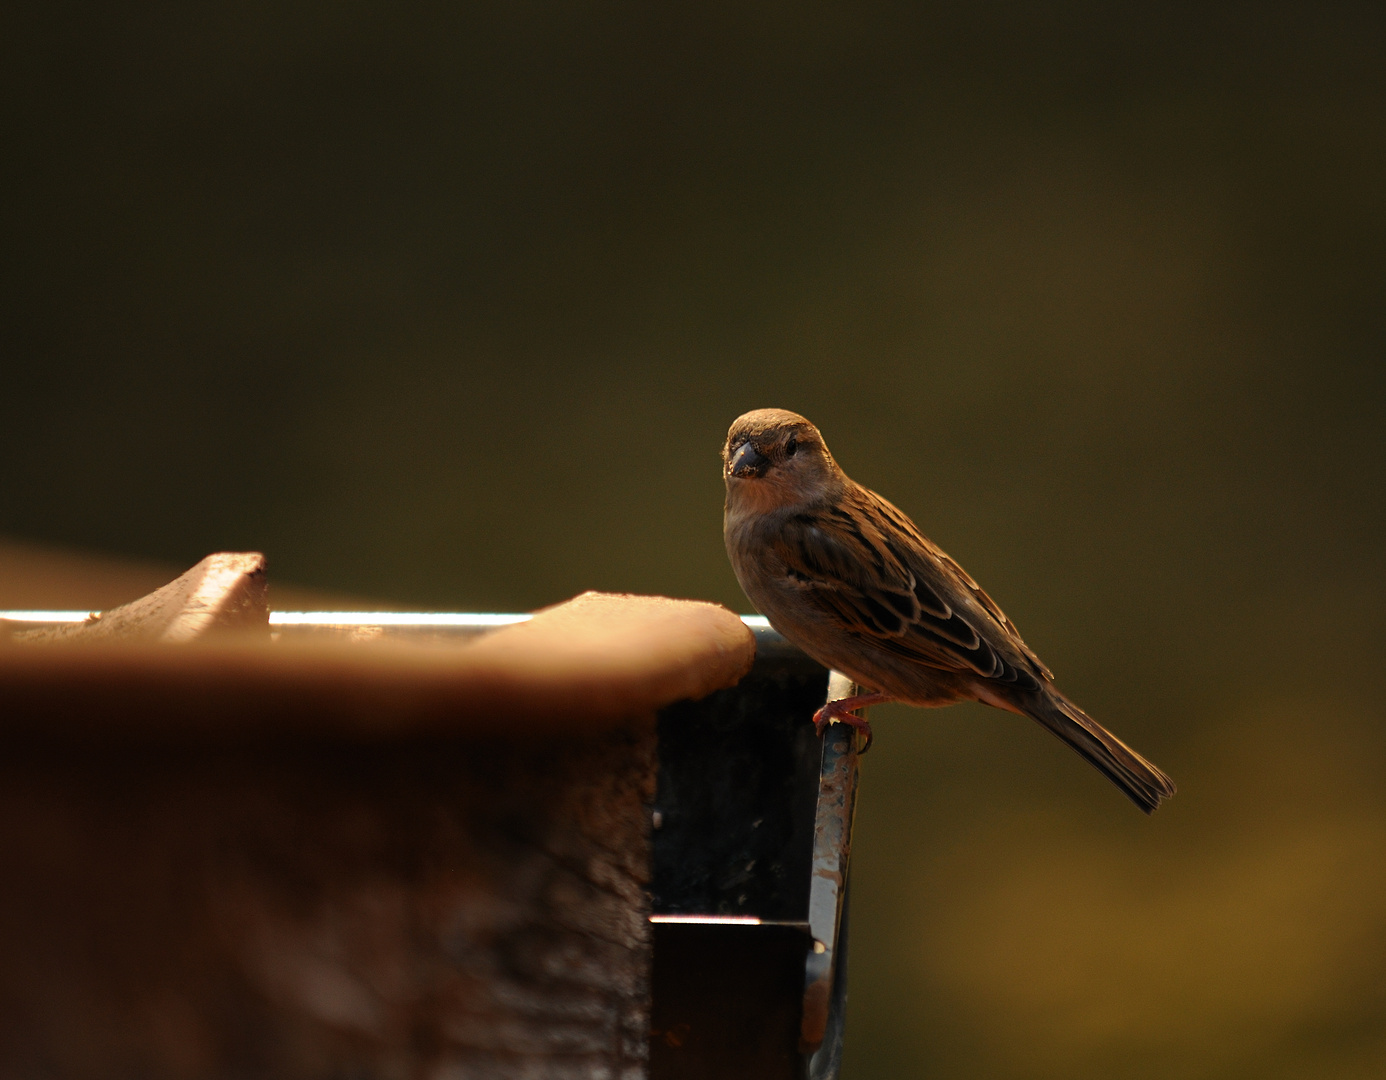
(751,859)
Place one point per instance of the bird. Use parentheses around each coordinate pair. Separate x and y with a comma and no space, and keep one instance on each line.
(848,578)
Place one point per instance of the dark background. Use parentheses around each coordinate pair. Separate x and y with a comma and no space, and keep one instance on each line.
(451,305)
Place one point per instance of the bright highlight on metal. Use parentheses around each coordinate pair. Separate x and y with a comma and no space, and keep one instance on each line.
(391,618)
(47,616)
(348,618)
(708,920)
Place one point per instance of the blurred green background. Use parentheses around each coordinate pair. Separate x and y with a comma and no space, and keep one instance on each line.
(450,305)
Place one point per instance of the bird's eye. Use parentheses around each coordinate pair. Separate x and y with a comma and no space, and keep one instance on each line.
(791,446)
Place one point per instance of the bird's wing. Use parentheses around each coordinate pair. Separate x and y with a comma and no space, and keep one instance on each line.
(956,578)
(864,564)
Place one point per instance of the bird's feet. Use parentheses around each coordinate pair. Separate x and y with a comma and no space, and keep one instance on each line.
(840,712)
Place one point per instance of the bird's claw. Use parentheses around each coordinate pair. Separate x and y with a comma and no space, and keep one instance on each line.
(836,712)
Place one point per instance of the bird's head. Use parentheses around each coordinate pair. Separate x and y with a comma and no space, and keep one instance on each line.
(773,457)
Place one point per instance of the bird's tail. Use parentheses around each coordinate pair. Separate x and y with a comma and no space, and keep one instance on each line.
(1144,784)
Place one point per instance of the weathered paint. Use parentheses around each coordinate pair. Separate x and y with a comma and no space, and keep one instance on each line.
(832,849)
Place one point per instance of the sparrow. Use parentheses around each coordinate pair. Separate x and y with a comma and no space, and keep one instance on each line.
(851,581)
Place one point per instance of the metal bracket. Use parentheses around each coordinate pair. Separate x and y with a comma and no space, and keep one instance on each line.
(832,850)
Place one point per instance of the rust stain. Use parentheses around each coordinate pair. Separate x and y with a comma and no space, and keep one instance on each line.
(815,1014)
(675,1037)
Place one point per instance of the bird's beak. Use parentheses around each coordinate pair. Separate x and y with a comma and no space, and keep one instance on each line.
(747,462)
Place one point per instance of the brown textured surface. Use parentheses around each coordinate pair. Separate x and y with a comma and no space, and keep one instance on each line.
(594,660)
(462,908)
(224,593)
(366,859)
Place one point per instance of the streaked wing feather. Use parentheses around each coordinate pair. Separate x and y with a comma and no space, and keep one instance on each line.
(866,565)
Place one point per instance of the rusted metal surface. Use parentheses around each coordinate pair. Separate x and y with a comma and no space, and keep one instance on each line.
(832,851)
